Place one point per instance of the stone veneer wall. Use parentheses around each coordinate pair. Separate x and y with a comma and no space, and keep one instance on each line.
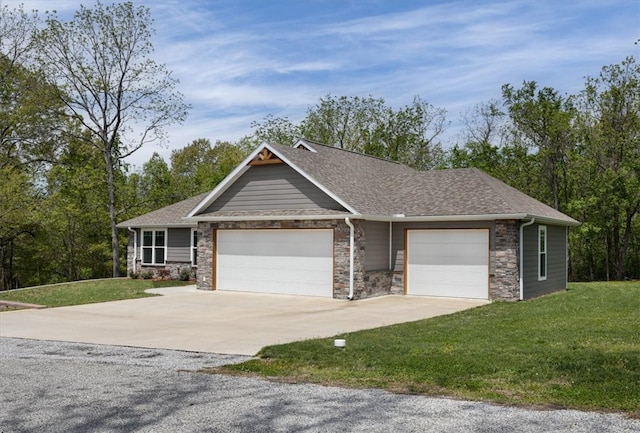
(130,251)
(340,250)
(504,284)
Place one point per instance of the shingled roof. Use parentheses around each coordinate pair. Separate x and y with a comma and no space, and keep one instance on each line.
(375,188)
(168,216)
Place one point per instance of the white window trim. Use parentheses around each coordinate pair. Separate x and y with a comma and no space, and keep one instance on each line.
(541,230)
(153,246)
(193,247)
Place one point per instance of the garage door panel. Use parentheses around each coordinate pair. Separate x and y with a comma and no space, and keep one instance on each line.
(453,263)
(276,261)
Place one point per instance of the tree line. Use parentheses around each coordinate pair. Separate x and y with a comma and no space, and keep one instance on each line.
(80,96)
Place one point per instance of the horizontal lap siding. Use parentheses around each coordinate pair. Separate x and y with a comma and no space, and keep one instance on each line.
(376,245)
(179,245)
(275,186)
(556,261)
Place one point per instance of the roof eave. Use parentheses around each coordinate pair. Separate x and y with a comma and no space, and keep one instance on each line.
(269,217)
(481,217)
(186,224)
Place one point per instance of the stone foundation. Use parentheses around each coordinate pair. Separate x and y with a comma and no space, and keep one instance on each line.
(376,283)
(174,269)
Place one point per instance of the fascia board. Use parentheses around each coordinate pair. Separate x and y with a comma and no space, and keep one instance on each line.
(267,217)
(186,224)
(487,217)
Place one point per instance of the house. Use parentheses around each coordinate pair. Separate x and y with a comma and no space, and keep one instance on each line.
(318,220)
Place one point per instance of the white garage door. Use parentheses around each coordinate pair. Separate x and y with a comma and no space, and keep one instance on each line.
(452,263)
(296,262)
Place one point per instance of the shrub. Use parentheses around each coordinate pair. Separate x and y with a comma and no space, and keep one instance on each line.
(147,275)
(164,274)
(185,274)
(134,275)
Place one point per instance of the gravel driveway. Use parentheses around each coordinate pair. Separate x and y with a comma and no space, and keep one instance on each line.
(72,387)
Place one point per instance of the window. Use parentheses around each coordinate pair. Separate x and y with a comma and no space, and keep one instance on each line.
(194,247)
(154,247)
(542,253)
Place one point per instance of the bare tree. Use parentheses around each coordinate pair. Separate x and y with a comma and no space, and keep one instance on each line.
(101,62)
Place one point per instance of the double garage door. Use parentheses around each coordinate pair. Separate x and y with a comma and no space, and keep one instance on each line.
(296,262)
(452,263)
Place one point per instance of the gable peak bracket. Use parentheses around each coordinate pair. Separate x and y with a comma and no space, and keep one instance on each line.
(265,157)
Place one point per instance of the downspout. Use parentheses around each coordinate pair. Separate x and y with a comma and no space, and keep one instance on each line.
(390,243)
(521,267)
(351,242)
(135,247)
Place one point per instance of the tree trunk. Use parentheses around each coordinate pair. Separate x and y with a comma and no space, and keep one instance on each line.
(115,246)
(622,253)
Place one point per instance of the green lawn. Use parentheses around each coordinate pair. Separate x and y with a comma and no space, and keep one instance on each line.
(577,349)
(86,292)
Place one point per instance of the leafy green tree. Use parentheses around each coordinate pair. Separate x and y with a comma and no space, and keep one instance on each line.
(347,122)
(542,120)
(275,130)
(156,183)
(609,164)
(32,123)
(102,62)
(408,135)
(74,243)
(199,166)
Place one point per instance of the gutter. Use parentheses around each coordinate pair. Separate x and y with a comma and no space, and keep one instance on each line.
(135,248)
(351,242)
(521,264)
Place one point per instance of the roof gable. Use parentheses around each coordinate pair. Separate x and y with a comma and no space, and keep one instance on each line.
(277,152)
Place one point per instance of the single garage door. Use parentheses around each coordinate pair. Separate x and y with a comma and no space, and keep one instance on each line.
(294,262)
(452,263)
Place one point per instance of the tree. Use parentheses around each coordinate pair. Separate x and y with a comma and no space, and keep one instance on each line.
(101,62)
(347,122)
(609,168)
(542,119)
(408,135)
(199,167)
(157,186)
(274,130)
(32,123)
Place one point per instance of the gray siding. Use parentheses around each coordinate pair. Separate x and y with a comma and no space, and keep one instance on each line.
(397,251)
(376,245)
(556,261)
(178,245)
(276,186)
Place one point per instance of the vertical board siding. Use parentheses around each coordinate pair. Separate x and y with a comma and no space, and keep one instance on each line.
(276,186)
(179,245)
(556,261)
(376,245)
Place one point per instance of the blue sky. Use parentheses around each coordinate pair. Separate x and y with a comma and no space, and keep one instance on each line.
(238,61)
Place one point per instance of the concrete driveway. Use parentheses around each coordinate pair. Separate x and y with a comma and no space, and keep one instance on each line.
(219,322)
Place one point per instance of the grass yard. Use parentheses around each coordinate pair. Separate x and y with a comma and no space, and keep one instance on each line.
(86,292)
(578,349)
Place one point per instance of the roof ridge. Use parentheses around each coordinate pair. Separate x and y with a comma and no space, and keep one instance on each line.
(355,152)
